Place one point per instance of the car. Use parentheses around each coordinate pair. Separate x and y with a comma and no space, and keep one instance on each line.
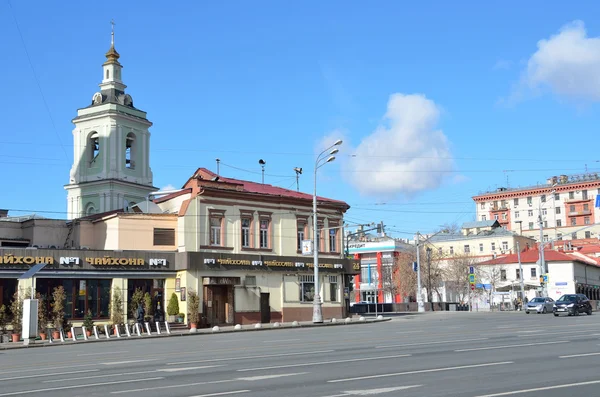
(539,305)
(572,305)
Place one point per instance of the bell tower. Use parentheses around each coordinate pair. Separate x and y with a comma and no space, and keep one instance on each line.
(111,163)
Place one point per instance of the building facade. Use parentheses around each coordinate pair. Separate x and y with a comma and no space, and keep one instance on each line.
(566,205)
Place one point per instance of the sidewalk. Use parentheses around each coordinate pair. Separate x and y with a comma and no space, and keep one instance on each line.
(201,331)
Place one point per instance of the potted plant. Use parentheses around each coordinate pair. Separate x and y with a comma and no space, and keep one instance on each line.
(3,322)
(16,308)
(116,309)
(180,317)
(58,310)
(193,306)
(42,315)
(148,307)
(173,307)
(136,299)
(66,326)
(88,323)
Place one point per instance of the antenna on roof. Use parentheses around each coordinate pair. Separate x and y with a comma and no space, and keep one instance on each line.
(262,165)
(298,173)
(218,161)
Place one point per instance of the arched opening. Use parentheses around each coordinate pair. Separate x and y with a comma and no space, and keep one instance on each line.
(107,74)
(93,147)
(90,209)
(130,151)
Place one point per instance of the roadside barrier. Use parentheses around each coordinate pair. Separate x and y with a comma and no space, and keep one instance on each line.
(148,328)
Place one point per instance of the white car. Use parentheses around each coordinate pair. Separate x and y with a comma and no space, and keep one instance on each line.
(539,305)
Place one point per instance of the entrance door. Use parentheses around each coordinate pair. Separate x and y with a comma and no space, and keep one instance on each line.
(265,308)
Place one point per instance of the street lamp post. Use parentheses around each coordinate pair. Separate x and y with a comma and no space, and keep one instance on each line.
(319,162)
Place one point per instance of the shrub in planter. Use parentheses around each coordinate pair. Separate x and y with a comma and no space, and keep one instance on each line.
(16,308)
(193,307)
(136,299)
(116,307)
(42,315)
(58,309)
(88,323)
(173,307)
(148,306)
(3,322)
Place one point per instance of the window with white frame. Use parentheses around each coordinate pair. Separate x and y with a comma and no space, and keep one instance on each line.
(246,222)
(533,272)
(573,221)
(505,245)
(516,214)
(483,217)
(545,223)
(483,205)
(529,200)
(530,213)
(516,202)
(518,273)
(301,232)
(544,212)
(557,209)
(559,236)
(264,233)
(333,240)
(307,287)
(493,246)
(559,222)
(451,250)
(466,249)
(502,275)
(584,194)
(440,251)
(545,237)
(496,217)
(530,225)
(543,198)
(480,247)
(333,288)
(588,234)
(216,222)
(571,195)
(556,196)
(586,220)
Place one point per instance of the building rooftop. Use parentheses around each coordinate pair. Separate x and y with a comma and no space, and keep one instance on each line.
(22,218)
(497,232)
(476,224)
(561,180)
(532,256)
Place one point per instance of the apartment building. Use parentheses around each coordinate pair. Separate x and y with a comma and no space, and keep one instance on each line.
(566,204)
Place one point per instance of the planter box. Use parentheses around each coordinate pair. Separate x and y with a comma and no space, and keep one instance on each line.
(5,338)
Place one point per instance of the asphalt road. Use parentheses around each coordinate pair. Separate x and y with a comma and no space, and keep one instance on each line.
(437,354)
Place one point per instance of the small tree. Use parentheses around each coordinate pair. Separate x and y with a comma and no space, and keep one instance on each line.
(16,308)
(42,313)
(136,299)
(148,307)
(173,307)
(88,321)
(3,319)
(193,307)
(58,306)
(116,307)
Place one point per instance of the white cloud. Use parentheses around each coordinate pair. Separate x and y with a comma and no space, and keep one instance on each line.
(567,64)
(168,187)
(502,64)
(405,153)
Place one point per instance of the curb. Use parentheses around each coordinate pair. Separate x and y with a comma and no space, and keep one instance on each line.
(179,334)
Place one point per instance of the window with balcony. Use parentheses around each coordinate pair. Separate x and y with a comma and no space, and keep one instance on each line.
(264,232)
(246,222)
(573,221)
(216,223)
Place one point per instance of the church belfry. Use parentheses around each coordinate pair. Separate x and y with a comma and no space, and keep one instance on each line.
(111,164)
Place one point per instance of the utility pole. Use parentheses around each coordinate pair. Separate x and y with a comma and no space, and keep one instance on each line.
(541,251)
(421,307)
(429,296)
(521,272)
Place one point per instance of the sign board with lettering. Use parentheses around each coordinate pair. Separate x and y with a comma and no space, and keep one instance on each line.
(307,247)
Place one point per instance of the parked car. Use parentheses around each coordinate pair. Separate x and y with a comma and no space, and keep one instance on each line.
(539,305)
(572,305)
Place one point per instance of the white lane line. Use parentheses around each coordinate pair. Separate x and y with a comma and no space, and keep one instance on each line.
(508,393)
(43,369)
(369,392)
(129,361)
(323,363)
(580,355)
(422,371)
(509,346)
(222,393)
(263,377)
(431,343)
(251,357)
(173,386)
(80,386)
(280,340)
(99,354)
(187,368)
(100,376)
(51,374)
(558,333)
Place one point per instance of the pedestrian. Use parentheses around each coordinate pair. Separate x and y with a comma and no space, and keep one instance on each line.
(140,313)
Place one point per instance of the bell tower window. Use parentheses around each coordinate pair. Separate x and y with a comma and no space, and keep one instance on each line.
(107,74)
(130,151)
(94,147)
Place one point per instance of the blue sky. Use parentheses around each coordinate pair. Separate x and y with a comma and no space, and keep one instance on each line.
(435,101)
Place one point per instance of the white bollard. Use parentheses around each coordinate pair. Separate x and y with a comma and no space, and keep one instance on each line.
(50,337)
(258,325)
(127,330)
(167,328)
(62,336)
(361,318)
(380,317)
(158,327)
(73,334)
(117,330)
(106,331)
(276,325)
(137,329)
(334,320)
(348,320)
(84,333)
(237,327)
(295,324)
(96,332)
(148,328)
(215,328)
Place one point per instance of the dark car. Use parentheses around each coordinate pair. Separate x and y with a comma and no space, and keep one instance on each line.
(572,305)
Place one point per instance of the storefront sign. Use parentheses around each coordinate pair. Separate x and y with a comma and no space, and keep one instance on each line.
(273,263)
(10,259)
(108,261)
(221,280)
(157,262)
(177,284)
(69,260)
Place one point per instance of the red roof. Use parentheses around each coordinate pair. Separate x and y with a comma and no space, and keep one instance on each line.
(259,188)
(531,256)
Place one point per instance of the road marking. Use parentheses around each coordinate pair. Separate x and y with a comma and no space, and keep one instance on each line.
(52,374)
(422,371)
(508,393)
(98,354)
(262,377)
(173,386)
(370,392)
(557,333)
(187,368)
(129,361)
(431,343)
(324,363)
(580,355)
(222,393)
(100,376)
(509,346)
(53,367)
(251,357)
(281,340)
(79,386)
